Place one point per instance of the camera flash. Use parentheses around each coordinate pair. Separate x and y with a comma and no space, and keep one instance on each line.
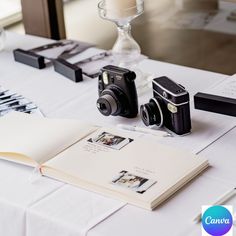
(105,78)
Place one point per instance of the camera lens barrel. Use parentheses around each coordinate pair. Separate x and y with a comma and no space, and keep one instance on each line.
(107,105)
(151,113)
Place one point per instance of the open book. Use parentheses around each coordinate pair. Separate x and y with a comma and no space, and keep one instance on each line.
(102,160)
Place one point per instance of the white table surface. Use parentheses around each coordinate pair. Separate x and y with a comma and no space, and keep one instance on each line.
(47,207)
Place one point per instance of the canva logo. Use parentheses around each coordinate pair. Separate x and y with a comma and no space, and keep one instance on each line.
(217,221)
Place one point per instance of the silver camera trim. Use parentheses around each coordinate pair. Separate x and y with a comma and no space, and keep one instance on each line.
(161,113)
(180,104)
(175,95)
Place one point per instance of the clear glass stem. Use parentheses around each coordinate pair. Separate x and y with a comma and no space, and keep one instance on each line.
(125,46)
(124,30)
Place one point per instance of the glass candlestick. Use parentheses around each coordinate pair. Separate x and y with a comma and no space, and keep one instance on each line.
(126,51)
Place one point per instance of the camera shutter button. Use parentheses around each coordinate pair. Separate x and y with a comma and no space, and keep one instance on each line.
(132,76)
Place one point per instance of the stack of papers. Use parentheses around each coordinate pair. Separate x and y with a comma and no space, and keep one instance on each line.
(10,101)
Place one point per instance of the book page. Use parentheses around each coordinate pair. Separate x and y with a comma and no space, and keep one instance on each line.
(38,138)
(226,88)
(121,166)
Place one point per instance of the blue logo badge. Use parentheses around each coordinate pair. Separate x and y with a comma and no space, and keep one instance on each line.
(217,221)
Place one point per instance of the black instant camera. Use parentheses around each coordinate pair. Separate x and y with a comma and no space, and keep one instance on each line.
(117,92)
(169,107)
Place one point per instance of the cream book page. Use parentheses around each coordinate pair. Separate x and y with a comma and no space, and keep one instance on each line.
(135,170)
(225,88)
(32,140)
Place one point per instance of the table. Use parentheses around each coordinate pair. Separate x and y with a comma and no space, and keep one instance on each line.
(48,207)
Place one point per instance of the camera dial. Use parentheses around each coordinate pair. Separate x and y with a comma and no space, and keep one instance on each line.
(151,113)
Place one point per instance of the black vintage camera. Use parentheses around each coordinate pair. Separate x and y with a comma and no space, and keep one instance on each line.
(117,92)
(169,107)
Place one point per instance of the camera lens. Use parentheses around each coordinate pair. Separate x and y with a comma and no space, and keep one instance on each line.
(151,113)
(108,105)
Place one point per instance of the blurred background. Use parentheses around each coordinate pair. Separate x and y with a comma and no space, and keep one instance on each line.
(194,33)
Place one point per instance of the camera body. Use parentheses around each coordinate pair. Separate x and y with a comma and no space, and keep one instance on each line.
(117,92)
(169,107)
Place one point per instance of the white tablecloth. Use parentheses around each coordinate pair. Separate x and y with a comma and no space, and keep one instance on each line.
(17,194)
(47,207)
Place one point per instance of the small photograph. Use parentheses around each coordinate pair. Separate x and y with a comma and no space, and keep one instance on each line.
(133,182)
(110,140)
